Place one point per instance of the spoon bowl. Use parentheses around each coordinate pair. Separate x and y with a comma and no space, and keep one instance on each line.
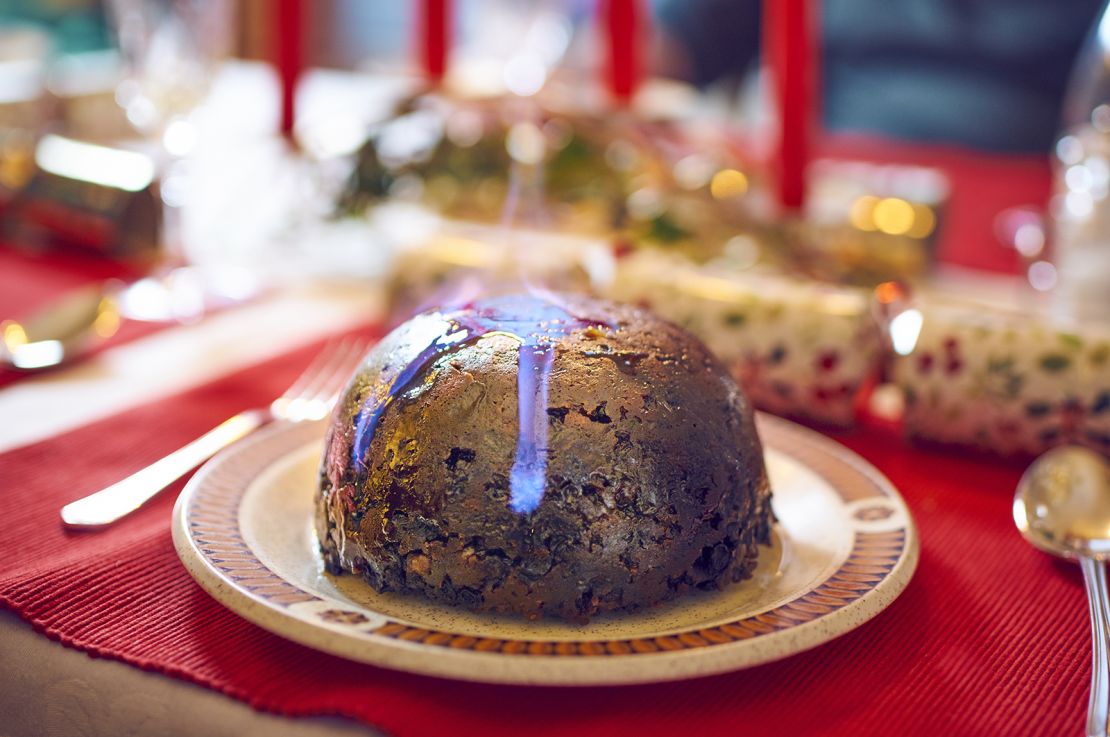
(67,327)
(1062,506)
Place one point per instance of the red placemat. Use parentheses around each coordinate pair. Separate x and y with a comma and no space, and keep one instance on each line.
(29,279)
(991,637)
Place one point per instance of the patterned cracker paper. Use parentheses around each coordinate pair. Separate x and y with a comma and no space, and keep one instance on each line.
(1005,382)
(799,348)
(452,269)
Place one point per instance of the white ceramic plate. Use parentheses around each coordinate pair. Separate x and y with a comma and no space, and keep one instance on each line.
(844,548)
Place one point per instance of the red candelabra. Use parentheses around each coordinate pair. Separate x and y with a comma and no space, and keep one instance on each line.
(623,22)
(434,29)
(289,59)
(791,58)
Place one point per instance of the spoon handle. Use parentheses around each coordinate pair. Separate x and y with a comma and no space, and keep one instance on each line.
(1094,575)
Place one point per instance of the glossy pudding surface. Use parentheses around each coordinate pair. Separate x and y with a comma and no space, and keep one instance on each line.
(543,455)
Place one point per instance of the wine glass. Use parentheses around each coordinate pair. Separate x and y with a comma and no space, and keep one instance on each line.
(171,50)
(1081,204)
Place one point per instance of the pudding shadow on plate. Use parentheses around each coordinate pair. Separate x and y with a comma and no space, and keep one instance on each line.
(844,548)
(697,609)
(808,543)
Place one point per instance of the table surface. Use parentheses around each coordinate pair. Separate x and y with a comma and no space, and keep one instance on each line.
(66,692)
(69,694)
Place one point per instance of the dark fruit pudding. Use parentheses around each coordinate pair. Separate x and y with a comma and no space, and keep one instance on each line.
(543,455)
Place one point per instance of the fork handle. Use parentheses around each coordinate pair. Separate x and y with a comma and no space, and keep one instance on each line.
(123,497)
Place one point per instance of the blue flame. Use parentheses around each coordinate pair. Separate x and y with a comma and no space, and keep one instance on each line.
(528,475)
(536,322)
(375,405)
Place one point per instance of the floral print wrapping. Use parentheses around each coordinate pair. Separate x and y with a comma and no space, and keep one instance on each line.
(799,348)
(1005,382)
(452,269)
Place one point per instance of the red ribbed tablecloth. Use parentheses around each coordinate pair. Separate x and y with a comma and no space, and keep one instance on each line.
(990,638)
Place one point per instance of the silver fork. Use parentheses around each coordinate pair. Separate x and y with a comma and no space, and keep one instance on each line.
(310,397)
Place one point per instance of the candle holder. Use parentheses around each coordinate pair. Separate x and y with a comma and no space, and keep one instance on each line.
(866,223)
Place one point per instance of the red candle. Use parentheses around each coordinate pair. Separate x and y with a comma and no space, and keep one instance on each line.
(623,21)
(289,59)
(433,23)
(790,56)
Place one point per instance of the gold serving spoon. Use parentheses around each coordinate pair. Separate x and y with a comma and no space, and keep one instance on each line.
(1062,506)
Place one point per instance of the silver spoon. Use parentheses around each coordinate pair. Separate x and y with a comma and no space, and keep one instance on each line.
(1062,506)
(62,329)
(68,328)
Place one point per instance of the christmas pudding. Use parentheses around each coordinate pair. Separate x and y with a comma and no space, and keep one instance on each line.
(542,455)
